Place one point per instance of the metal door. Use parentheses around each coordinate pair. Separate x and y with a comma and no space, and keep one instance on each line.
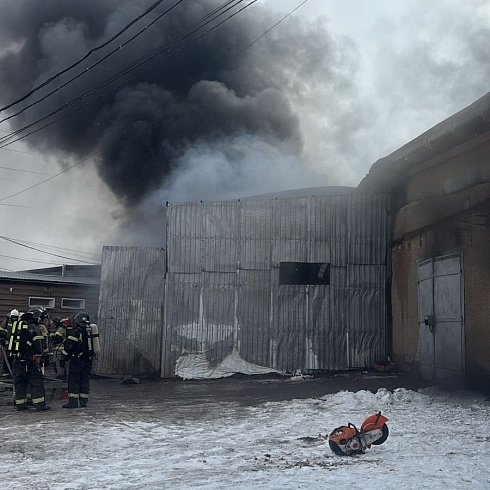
(440,311)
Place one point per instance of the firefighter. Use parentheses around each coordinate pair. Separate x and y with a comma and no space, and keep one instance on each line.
(55,323)
(64,327)
(78,349)
(14,315)
(25,345)
(4,336)
(41,316)
(4,333)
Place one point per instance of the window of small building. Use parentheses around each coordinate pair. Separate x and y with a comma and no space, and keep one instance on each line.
(304,273)
(41,301)
(73,303)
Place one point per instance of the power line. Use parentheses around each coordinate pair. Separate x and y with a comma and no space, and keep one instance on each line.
(267,31)
(97,152)
(93,50)
(28,260)
(11,240)
(17,151)
(95,257)
(17,205)
(57,248)
(4,141)
(90,67)
(52,177)
(21,170)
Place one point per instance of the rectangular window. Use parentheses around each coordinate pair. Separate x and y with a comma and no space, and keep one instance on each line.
(41,301)
(73,303)
(303,273)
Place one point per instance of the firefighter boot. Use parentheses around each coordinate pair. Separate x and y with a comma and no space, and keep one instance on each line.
(72,403)
(21,407)
(83,402)
(42,407)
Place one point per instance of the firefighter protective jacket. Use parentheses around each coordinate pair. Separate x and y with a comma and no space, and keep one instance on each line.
(78,343)
(25,340)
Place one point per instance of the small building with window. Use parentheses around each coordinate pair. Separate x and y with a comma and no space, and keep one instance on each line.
(63,290)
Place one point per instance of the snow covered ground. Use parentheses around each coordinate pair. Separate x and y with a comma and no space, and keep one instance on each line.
(437,440)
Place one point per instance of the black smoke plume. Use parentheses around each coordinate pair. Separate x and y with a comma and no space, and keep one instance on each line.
(144,122)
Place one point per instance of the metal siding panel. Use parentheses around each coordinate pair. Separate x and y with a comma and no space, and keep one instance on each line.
(256,234)
(279,326)
(368,217)
(253,316)
(219,237)
(318,326)
(184,237)
(218,319)
(200,317)
(339,236)
(131,310)
(182,319)
(366,316)
(290,230)
(319,231)
(288,327)
(335,349)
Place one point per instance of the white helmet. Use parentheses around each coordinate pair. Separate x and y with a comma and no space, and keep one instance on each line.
(14,313)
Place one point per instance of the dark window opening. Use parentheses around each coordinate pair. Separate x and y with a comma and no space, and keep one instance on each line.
(302,273)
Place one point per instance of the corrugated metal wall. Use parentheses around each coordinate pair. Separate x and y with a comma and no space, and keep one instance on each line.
(131,310)
(223,282)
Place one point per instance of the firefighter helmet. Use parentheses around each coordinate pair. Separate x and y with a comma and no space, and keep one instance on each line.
(56,320)
(39,313)
(14,313)
(82,318)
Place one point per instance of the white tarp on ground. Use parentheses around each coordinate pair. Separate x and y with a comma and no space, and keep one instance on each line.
(196,366)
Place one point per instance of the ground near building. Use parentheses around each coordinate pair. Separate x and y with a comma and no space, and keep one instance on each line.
(246,433)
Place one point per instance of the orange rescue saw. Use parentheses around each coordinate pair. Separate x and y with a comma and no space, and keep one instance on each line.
(348,440)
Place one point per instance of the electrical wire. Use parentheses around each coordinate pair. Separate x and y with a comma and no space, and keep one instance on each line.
(266,32)
(53,247)
(79,253)
(21,170)
(52,177)
(100,150)
(81,60)
(4,141)
(90,67)
(11,240)
(28,260)
(17,205)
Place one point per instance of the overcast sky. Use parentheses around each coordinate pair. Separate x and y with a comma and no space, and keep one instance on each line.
(316,101)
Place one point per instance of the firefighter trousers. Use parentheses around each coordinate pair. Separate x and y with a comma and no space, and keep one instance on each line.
(79,380)
(27,378)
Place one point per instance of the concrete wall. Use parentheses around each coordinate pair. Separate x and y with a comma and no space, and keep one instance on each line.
(469,232)
(439,185)
(477,295)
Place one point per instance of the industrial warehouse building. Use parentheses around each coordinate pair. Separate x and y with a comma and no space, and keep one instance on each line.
(290,284)
(399,269)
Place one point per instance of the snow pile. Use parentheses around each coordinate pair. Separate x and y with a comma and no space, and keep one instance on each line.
(436,441)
